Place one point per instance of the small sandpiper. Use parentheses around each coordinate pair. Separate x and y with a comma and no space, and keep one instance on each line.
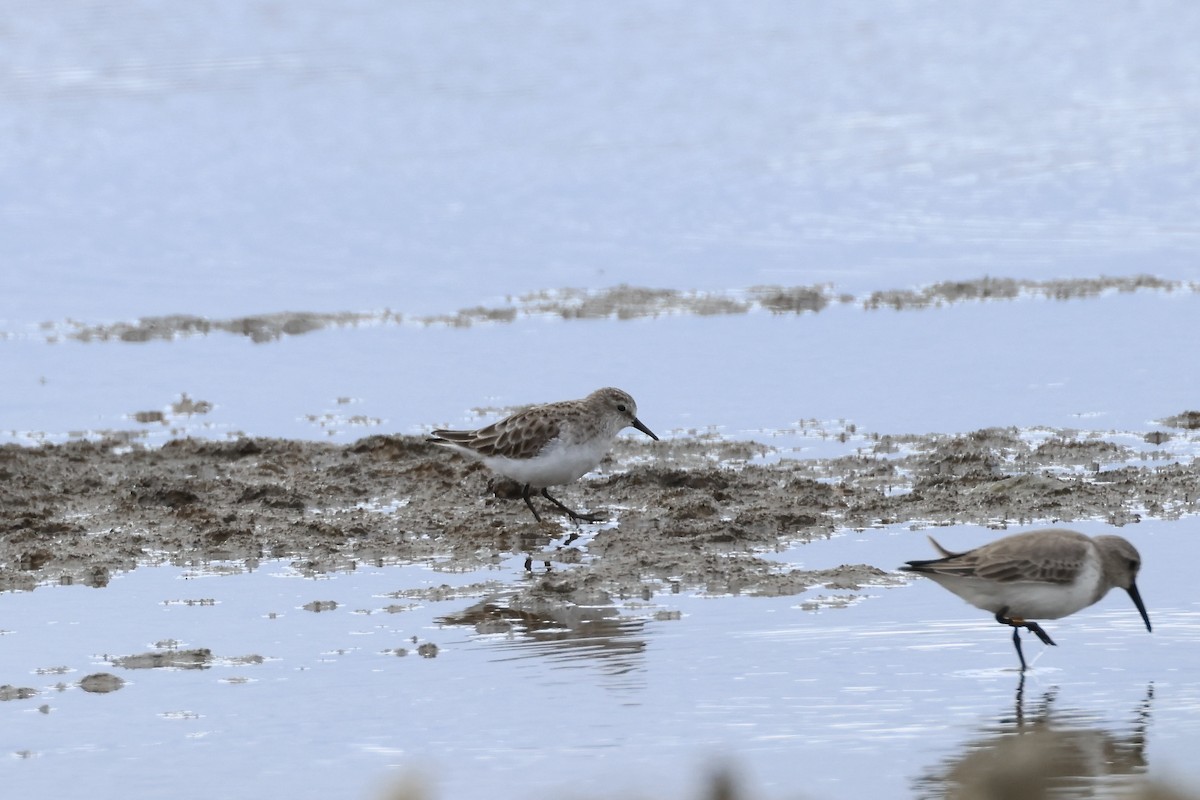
(551,444)
(1046,574)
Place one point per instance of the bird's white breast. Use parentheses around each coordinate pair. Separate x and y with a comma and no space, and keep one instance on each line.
(557,464)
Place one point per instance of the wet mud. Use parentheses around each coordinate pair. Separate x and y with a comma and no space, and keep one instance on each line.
(689,513)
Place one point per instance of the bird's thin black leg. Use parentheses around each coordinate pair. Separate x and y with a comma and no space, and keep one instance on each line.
(1017,644)
(594,517)
(525,495)
(528,502)
(1017,624)
(1004,620)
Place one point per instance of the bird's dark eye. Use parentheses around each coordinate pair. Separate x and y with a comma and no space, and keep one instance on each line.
(1133,565)
(621,407)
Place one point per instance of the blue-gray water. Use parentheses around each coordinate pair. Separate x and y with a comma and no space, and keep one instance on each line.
(224,159)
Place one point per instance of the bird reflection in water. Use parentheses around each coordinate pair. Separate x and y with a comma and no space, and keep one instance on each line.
(1045,751)
(561,633)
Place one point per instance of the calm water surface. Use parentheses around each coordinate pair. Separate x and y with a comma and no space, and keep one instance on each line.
(637,696)
(227,158)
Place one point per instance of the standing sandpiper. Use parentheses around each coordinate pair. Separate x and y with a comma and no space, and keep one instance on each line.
(551,444)
(1046,574)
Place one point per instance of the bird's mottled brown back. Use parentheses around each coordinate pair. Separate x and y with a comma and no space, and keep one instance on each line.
(1023,557)
(522,435)
(519,435)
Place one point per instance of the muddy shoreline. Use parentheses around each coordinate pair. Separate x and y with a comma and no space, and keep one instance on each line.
(686,513)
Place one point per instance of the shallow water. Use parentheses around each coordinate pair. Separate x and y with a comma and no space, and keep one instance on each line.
(644,695)
(225,159)
(1110,363)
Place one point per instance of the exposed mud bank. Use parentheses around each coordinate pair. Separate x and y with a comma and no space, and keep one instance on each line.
(618,302)
(686,513)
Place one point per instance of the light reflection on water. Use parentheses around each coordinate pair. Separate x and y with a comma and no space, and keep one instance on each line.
(561,636)
(1040,747)
(653,690)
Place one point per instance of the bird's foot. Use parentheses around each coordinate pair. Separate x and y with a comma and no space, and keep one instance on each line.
(1036,629)
(595,516)
(1017,623)
(573,514)
(1032,627)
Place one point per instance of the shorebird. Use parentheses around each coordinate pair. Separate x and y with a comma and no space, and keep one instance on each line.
(1046,574)
(551,444)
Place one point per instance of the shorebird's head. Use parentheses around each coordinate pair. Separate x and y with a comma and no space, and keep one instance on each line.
(1121,565)
(619,406)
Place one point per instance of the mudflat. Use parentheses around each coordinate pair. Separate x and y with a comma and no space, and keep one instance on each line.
(694,512)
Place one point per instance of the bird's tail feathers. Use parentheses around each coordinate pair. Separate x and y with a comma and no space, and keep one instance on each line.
(944,552)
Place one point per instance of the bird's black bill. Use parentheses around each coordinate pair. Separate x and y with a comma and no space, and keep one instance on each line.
(637,423)
(1137,601)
